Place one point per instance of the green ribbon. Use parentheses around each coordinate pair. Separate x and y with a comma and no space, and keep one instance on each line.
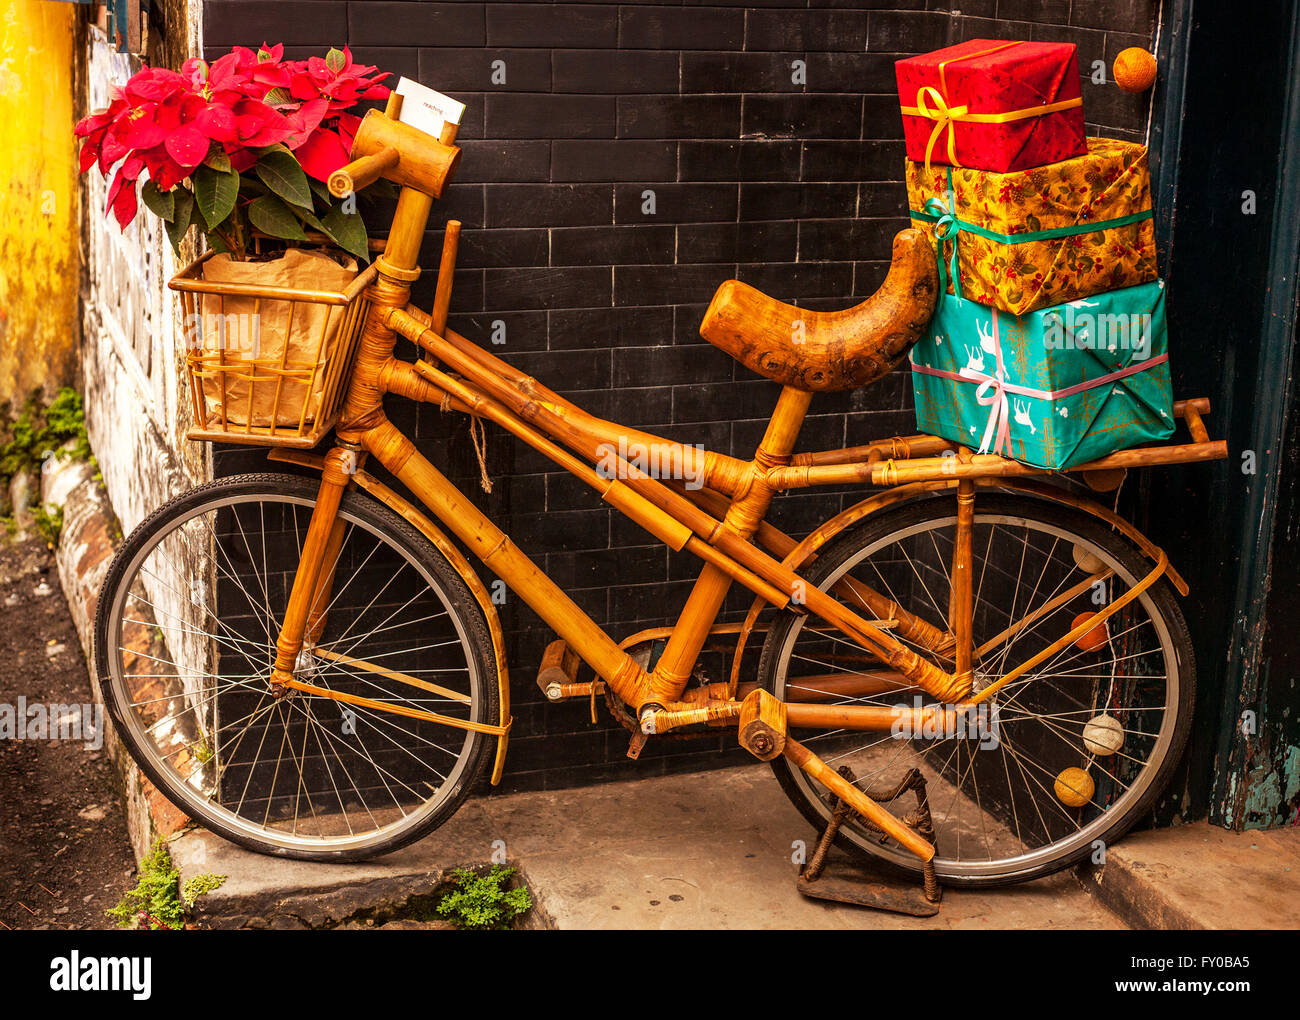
(947,226)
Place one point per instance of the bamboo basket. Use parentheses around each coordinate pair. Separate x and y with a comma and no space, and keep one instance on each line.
(322,366)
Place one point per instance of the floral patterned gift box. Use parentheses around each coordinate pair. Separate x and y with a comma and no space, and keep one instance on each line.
(1057,387)
(1033,238)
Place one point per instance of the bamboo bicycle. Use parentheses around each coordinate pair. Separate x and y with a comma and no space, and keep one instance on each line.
(311,668)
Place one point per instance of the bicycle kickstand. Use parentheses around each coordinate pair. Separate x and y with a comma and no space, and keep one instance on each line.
(860,885)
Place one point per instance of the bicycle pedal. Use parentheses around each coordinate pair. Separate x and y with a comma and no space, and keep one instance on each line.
(558,674)
(559,669)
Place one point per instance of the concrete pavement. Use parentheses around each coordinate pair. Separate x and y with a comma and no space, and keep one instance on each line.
(710,850)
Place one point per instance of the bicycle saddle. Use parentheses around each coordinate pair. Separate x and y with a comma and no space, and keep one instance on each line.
(829,351)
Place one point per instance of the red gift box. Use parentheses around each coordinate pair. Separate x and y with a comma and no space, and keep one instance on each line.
(993,105)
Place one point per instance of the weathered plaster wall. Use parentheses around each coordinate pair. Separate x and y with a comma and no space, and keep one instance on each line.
(136,405)
(135,400)
(38,198)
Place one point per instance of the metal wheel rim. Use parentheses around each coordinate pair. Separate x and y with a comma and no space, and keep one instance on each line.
(1011,865)
(193,800)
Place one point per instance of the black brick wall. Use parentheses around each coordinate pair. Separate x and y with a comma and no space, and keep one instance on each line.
(793,188)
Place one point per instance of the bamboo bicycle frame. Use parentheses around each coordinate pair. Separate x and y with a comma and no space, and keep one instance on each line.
(716,525)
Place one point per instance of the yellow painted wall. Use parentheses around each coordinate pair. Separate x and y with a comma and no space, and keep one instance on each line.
(39,323)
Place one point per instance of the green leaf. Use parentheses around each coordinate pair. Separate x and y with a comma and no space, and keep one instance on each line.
(281,172)
(218,160)
(179,224)
(347,231)
(161,204)
(309,220)
(215,194)
(273,217)
(278,96)
(335,60)
(321,190)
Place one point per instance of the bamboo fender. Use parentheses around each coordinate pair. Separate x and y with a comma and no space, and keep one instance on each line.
(459,563)
(807,549)
(829,351)
(873,504)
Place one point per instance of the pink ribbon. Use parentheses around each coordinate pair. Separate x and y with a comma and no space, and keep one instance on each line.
(999,423)
(997,430)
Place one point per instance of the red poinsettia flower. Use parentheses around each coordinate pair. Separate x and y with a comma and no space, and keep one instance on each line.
(122,198)
(94,129)
(321,154)
(153,84)
(257,124)
(338,79)
(168,122)
(327,88)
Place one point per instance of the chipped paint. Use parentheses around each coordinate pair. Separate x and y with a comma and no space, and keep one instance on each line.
(38,192)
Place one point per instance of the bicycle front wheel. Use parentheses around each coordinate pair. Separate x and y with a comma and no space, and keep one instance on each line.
(185,638)
(1068,756)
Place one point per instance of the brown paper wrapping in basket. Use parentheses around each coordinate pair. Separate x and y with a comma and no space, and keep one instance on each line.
(277,349)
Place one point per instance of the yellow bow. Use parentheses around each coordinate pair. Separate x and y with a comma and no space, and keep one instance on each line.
(943,116)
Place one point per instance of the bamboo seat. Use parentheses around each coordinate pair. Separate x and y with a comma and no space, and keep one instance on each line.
(829,351)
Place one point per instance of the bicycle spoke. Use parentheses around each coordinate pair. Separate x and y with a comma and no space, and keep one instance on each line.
(993,800)
(205,613)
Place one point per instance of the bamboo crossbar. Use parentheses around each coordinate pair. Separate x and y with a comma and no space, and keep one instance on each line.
(586,434)
(739,559)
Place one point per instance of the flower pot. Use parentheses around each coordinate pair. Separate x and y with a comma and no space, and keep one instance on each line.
(270,343)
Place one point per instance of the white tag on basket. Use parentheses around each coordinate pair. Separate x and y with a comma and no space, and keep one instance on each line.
(425,109)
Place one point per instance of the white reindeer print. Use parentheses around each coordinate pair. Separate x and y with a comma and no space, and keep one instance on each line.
(1022,416)
(974,358)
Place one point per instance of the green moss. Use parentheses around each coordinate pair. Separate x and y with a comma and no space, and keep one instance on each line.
(482,902)
(38,431)
(158,903)
(48,519)
(41,430)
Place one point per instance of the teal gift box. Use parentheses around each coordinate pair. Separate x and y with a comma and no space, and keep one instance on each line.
(1054,388)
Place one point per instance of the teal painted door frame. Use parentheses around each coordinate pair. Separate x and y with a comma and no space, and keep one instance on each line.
(1226,158)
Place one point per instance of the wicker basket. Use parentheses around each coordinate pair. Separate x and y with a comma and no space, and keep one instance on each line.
(289,399)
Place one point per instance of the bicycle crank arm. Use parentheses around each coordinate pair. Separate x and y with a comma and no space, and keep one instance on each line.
(763,732)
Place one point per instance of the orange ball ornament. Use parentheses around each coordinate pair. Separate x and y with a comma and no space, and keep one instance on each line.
(1135,69)
(1074,787)
(1092,639)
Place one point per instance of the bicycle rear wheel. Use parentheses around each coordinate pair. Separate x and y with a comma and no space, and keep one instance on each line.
(185,638)
(1115,706)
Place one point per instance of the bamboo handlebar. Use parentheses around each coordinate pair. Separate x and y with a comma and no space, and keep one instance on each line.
(362,172)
